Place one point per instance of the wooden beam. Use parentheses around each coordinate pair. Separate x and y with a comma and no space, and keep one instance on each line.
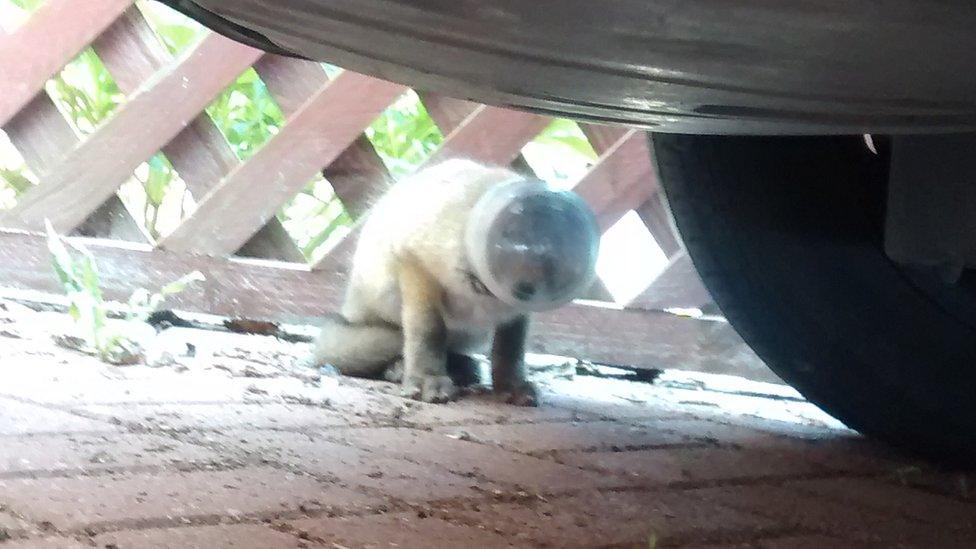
(652,212)
(42,136)
(292,82)
(40,133)
(656,217)
(155,114)
(446,112)
(313,136)
(491,135)
(133,55)
(601,137)
(678,286)
(358,176)
(488,134)
(45,43)
(200,154)
(621,180)
(235,287)
(267,290)
(355,174)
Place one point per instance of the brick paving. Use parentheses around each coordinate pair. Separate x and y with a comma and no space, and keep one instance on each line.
(216,453)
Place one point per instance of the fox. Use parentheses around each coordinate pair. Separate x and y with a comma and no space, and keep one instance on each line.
(452,261)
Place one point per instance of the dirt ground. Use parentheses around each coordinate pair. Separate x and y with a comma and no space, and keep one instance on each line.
(229,441)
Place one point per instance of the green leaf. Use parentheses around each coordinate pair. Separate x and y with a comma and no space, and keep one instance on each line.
(16,180)
(179,285)
(177,37)
(89,277)
(74,312)
(158,181)
(566,134)
(63,264)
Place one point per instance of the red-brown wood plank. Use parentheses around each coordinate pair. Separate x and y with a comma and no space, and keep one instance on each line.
(624,180)
(200,153)
(621,180)
(449,113)
(678,286)
(355,174)
(656,217)
(53,35)
(43,137)
(292,82)
(603,137)
(266,290)
(130,50)
(41,133)
(491,135)
(154,114)
(251,288)
(314,135)
(652,212)
(132,53)
(446,112)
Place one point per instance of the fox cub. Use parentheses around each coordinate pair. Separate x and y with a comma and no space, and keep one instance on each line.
(450,259)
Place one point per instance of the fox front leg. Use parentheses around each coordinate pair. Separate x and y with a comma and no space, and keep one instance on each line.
(508,374)
(425,374)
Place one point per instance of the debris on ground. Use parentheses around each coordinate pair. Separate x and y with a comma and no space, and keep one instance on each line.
(228,439)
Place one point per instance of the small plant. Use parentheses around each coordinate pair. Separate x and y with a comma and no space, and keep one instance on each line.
(115,342)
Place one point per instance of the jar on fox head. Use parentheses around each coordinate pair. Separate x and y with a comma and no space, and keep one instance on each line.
(534,247)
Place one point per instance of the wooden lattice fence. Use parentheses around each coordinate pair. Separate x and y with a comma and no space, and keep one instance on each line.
(253,267)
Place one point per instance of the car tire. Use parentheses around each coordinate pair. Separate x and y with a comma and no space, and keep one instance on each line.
(786,233)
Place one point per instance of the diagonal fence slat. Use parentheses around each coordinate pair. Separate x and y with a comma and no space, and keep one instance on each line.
(313,136)
(678,286)
(653,212)
(50,38)
(43,136)
(155,114)
(200,153)
(602,138)
(622,179)
(446,112)
(488,134)
(358,171)
(292,82)
(492,135)
(40,133)
(656,217)
(131,52)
